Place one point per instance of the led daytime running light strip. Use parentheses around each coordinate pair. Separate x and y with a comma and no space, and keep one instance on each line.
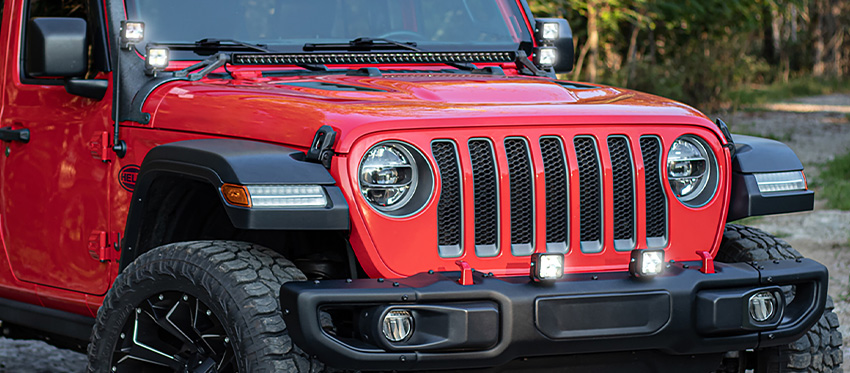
(780,182)
(372,58)
(284,196)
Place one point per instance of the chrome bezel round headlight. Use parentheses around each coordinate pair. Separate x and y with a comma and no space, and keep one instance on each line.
(692,171)
(395,178)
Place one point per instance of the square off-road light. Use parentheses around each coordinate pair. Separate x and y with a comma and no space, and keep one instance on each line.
(157,58)
(546,57)
(547,267)
(550,31)
(132,32)
(647,263)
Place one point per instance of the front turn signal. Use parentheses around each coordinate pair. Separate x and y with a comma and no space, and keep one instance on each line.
(236,195)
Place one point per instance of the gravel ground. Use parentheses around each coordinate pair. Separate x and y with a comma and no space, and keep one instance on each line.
(824,235)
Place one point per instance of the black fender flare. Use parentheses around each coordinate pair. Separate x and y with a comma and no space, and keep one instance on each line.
(241,162)
(759,155)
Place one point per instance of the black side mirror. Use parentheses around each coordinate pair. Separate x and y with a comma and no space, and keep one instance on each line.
(564,43)
(56,47)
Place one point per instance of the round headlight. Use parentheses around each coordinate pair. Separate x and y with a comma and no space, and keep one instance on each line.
(691,171)
(390,175)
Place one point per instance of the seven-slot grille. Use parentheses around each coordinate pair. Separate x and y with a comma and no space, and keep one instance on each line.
(555,153)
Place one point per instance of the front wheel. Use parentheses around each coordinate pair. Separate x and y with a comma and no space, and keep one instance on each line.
(819,350)
(206,306)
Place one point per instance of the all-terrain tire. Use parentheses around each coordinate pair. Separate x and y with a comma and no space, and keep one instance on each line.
(817,351)
(237,284)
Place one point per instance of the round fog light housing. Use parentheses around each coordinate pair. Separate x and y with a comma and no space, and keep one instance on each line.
(398,325)
(763,306)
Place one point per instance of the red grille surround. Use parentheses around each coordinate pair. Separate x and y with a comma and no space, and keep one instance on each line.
(397,247)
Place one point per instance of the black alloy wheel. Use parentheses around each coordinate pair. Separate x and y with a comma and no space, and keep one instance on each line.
(176,332)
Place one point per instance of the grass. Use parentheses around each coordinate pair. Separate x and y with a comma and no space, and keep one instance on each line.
(835,179)
(795,87)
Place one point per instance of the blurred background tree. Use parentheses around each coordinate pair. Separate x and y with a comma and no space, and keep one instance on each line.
(708,53)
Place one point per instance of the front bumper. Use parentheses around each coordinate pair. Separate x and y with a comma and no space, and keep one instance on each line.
(496,320)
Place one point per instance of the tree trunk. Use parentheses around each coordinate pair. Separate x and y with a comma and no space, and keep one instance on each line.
(592,40)
(818,20)
(580,62)
(632,54)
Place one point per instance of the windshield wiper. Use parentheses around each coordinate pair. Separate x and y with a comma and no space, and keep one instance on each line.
(212,43)
(366,44)
(219,44)
(362,44)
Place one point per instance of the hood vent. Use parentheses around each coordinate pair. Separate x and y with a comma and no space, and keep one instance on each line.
(331,86)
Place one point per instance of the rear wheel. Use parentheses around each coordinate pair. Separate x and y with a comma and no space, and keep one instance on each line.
(819,350)
(207,306)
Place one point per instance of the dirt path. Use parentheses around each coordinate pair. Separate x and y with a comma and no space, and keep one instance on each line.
(817,128)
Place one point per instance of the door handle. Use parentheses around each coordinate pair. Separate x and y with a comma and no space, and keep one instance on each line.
(8,134)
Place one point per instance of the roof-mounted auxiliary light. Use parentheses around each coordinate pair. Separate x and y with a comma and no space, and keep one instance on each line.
(646,263)
(547,267)
(132,33)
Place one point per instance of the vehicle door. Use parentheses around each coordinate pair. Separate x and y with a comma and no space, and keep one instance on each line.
(54,185)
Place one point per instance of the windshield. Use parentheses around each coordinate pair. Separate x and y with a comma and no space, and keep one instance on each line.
(286,25)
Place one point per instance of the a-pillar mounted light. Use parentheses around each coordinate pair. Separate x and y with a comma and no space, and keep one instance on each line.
(132,33)
(156,58)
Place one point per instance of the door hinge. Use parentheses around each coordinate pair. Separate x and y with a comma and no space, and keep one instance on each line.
(105,246)
(100,147)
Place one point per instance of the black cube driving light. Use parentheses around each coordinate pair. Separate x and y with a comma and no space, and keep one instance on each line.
(156,58)
(646,263)
(132,33)
(547,267)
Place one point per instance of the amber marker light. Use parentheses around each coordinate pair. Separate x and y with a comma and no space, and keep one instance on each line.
(236,195)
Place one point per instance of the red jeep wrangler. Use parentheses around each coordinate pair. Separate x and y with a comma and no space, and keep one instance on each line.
(289,185)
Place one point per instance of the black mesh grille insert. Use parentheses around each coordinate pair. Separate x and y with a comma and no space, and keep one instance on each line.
(556,189)
(623,188)
(522,191)
(485,184)
(590,185)
(448,209)
(656,220)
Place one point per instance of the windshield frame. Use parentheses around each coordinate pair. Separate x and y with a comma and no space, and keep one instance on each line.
(518,9)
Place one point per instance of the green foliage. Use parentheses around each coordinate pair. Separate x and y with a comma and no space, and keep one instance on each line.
(836,182)
(707,52)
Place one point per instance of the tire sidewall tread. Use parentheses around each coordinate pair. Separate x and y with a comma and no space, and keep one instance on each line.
(238,281)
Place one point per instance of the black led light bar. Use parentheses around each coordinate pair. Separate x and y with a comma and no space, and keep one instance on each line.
(372,58)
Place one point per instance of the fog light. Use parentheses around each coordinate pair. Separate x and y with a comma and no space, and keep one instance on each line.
(763,306)
(398,325)
(646,263)
(547,267)
(157,58)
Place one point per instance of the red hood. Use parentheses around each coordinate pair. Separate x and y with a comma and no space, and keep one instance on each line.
(290,110)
